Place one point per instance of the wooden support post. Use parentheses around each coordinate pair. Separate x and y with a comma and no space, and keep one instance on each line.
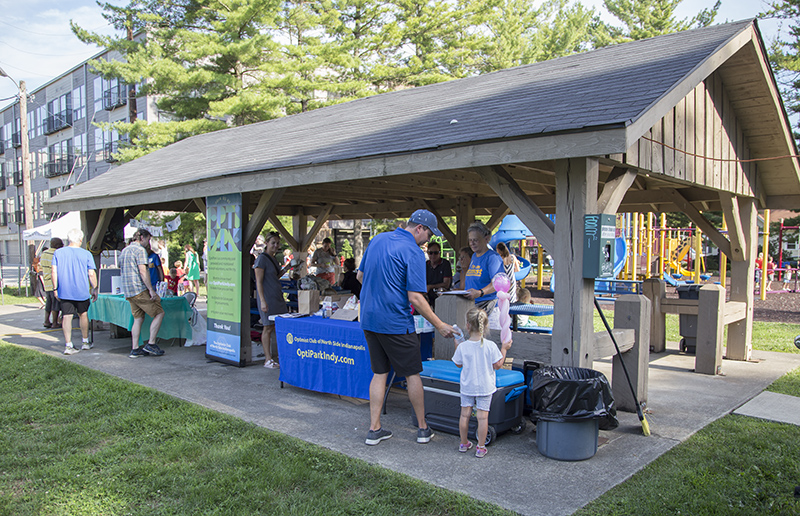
(710,308)
(654,289)
(632,312)
(96,239)
(89,221)
(576,196)
(465,215)
(740,333)
(246,349)
(452,310)
(299,231)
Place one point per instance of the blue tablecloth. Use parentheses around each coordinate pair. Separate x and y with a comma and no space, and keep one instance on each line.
(115,309)
(324,355)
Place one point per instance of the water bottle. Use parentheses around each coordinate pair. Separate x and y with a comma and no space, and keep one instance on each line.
(458,334)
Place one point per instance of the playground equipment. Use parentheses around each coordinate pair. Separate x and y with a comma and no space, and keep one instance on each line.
(511,230)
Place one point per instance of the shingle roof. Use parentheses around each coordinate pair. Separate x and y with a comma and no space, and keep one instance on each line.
(608,87)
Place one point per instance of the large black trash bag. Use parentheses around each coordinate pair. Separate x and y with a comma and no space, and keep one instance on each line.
(572,394)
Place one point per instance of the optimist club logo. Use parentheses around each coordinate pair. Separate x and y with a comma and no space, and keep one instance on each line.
(289,338)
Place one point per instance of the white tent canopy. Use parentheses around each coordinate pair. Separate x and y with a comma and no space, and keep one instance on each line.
(57,228)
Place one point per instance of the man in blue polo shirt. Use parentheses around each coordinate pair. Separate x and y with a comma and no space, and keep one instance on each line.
(392,273)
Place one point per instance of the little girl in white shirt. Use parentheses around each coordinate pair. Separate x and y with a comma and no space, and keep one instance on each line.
(478,359)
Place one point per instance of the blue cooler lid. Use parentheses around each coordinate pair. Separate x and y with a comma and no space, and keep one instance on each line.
(446,370)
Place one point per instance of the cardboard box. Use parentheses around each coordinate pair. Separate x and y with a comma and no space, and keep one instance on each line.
(307,301)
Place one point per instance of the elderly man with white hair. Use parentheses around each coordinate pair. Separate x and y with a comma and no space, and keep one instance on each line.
(75,282)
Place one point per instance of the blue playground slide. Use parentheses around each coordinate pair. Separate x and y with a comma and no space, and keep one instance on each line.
(620,257)
(510,230)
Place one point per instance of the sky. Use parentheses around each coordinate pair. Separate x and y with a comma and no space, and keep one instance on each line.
(37,45)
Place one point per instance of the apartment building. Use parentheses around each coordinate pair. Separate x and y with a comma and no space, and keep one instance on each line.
(66,146)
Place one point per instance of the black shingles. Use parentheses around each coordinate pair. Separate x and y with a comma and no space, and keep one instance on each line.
(613,85)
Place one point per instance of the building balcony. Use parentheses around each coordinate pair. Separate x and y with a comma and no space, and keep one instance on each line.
(58,167)
(2,147)
(57,122)
(3,219)
(114,98)
(2,181)
(112,148)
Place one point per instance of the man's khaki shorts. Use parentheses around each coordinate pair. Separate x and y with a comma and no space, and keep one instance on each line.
(142,304)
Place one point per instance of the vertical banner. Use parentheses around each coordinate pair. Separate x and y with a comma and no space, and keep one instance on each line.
(224,277)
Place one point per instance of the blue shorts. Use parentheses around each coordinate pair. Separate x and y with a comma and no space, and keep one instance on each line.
(479,402)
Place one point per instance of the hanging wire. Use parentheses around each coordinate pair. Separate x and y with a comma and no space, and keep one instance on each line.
(720,159)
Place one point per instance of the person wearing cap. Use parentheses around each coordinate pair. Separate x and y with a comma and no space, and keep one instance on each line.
(392,273)
(484,265)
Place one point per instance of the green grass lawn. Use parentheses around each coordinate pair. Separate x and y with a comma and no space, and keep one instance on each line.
(734,466)
(79,442)
(15,296)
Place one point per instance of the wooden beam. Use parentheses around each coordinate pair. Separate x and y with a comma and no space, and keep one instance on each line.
(509,191)
(730,207)
(443,227)
(201,205)
(497,216)
(319,220)
(740,333)
(100,229)
(695,216)
(266,205)
(573,330)
(614,190)
(283,232)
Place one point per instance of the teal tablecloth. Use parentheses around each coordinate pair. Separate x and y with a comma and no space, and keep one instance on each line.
(115,309)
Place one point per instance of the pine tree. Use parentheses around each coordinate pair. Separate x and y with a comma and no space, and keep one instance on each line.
(785,53)
(648,18)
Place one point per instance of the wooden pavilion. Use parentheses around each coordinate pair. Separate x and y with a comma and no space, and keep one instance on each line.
(671,123)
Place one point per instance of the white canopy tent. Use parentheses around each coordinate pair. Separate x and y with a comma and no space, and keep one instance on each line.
(57,228)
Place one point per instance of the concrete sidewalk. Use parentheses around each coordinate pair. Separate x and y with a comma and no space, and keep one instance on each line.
(513,475)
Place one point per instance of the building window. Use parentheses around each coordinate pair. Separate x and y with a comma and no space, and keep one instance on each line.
(60,161)
(78,103)
(59,113)
(97,94)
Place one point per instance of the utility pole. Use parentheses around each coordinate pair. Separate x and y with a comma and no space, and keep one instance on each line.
(27,196)
(26,173)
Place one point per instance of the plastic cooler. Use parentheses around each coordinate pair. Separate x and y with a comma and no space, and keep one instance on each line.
(440,380)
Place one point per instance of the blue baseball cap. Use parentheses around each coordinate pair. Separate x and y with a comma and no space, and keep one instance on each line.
(427,219)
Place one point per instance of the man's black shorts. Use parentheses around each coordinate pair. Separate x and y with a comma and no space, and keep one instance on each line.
(71,307)
(402,352)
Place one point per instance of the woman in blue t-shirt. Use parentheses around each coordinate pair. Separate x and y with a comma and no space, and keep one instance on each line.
(485,264)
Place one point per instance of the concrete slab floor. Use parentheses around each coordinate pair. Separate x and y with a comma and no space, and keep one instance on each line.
(513,475)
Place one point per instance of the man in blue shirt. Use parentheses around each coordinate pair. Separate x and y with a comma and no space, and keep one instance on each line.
(392,273)
(74,282)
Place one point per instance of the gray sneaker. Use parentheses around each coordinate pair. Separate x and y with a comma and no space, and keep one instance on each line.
(376,436)
(137,352)
(87,345)
(424,436)
(69,350)
(152,350)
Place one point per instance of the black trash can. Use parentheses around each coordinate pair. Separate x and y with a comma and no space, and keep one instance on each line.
(688,322)
(570,405)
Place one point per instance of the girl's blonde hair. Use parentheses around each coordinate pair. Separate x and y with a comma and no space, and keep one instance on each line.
(477,320)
